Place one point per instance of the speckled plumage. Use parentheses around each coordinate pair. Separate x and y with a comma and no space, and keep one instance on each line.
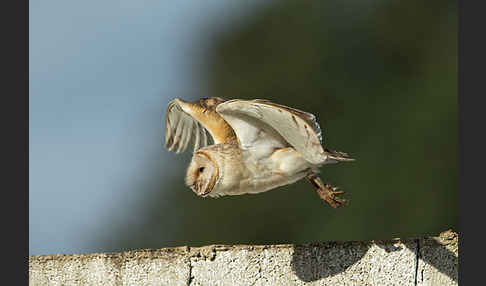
(258,146)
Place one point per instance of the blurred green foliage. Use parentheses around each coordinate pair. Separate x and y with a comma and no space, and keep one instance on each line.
(381,77)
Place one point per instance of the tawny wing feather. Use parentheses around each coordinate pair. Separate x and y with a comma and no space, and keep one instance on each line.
(196,122)
(257,122)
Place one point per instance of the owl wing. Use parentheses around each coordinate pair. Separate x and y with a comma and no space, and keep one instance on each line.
(197,122)
(260,123)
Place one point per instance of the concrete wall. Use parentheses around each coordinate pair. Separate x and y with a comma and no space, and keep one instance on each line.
(423,261)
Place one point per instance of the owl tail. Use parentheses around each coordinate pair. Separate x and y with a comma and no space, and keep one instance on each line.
(336,156)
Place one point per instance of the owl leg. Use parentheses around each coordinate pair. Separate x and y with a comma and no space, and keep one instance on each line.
(327,192)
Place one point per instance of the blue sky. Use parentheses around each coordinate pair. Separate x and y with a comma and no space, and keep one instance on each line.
(101,74)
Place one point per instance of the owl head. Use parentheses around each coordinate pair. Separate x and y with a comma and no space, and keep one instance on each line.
(202,174)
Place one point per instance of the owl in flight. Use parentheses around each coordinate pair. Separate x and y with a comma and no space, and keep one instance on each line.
(248,146)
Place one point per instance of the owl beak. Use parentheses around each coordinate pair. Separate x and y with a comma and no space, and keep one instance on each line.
(196,189)
(205,194)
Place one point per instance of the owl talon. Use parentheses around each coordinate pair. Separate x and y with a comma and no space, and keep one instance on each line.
(336,192)
(329,194)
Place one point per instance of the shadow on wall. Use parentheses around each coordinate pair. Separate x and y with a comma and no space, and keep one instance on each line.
(441,255)
(326,260)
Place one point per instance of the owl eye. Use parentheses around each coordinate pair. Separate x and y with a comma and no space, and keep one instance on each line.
(201,169)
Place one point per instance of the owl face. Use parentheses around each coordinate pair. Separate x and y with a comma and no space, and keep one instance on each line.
(202,174)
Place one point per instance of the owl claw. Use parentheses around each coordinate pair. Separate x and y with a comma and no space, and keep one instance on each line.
(336,192)
(329,194)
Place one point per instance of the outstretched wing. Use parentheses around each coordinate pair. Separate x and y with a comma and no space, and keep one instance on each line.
(260,123)
(187,122)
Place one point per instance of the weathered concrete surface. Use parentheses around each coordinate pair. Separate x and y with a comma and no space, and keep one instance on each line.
(438,263)
(425,261)
(142,267)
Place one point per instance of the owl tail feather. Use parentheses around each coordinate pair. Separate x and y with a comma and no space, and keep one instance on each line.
(337,156)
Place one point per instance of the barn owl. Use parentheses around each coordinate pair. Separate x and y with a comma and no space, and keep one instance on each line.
(248,146)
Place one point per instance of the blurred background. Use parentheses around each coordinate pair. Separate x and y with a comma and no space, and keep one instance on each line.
(380,75)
